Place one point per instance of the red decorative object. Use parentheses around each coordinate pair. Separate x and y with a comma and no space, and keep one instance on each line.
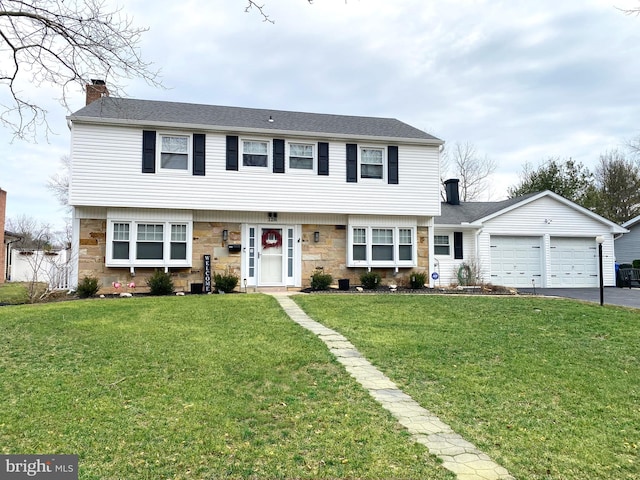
(271,239)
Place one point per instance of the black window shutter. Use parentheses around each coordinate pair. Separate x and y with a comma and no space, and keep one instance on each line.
(457,245)
(323,158)
(198,153)
(148,151)
(232,152)
(278,156)
(392,164)
(352,162)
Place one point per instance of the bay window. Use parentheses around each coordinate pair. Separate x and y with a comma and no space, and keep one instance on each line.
(382,246)
(148,244)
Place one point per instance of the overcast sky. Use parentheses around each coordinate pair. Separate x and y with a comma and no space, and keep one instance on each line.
(521,80)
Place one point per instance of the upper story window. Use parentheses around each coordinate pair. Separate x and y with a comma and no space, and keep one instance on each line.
(255,153)
(301,156)
(372,163)
(441,245)
(174,152)
(382,247)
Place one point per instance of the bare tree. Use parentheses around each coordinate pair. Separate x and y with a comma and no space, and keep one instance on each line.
(251,5)
(45,254)
(58,183)
(463,161)
(65,44)
(630,11)
(617,180)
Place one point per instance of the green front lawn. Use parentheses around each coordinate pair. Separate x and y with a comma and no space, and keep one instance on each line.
(195,387)
(550,389)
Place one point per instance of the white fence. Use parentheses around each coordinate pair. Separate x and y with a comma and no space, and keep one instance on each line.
(35,265)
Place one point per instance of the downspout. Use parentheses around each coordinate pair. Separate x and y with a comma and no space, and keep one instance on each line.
(7,260)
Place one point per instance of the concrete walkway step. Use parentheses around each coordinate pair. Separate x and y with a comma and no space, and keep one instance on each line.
(457,455)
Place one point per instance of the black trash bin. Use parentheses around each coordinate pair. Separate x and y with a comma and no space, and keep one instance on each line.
(343,284)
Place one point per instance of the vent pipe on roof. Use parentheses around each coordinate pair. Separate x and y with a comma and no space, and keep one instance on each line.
(451,189)
(96,90)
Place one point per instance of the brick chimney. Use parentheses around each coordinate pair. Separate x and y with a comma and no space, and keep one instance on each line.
(3,247)
(96,90)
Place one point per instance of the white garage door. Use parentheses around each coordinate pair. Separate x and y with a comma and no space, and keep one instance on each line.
(574,262)
(516,261)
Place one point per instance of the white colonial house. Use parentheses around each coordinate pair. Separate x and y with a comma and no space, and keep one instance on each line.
(270,196)
(538,240)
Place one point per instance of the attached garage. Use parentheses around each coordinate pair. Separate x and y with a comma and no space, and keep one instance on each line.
(516,261)
(539,239)
(573,262)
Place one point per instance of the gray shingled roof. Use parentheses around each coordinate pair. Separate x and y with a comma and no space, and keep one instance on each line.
(469,212)
(140,111)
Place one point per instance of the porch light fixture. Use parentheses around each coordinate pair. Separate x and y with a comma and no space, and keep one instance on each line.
(600,241)
(225,235)
(316,237)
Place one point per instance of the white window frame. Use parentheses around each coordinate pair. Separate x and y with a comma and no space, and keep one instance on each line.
(369,262)
(159,153)
(256,168)
(314,159)
(383,151)
(132,261)
(449,244)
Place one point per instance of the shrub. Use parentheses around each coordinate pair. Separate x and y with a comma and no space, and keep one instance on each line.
(370,280)
(321,281)
(87,287)
(225,283)
(160,283)
(636,264)
(417,280)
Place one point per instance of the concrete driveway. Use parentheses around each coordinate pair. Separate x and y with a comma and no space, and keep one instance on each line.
(626,297)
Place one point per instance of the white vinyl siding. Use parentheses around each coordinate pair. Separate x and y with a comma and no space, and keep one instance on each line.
(107,172)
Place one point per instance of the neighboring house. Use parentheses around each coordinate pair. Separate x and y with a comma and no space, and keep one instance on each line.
(628,245)
(541,240)
(50,266)
(9,240)
(271,196)
(3,250)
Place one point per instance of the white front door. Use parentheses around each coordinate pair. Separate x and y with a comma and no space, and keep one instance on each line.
(271,255)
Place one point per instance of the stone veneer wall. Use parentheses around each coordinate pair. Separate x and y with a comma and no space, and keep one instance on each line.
(330,256)
(207,239)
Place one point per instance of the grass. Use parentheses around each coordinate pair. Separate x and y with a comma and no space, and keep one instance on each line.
(195,387)
(13,293)
(550,389)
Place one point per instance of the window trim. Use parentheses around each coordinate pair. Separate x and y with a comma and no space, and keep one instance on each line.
(301,171)
(132,261)
(449,245)
(369,262)
(254,168)
(174,171)
(383,165)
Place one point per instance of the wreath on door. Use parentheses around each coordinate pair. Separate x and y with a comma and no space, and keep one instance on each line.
(271,239)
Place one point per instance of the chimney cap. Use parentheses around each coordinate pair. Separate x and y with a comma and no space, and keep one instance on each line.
(97,82)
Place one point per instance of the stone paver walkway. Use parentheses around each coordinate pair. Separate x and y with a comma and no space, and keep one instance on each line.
(457,455)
